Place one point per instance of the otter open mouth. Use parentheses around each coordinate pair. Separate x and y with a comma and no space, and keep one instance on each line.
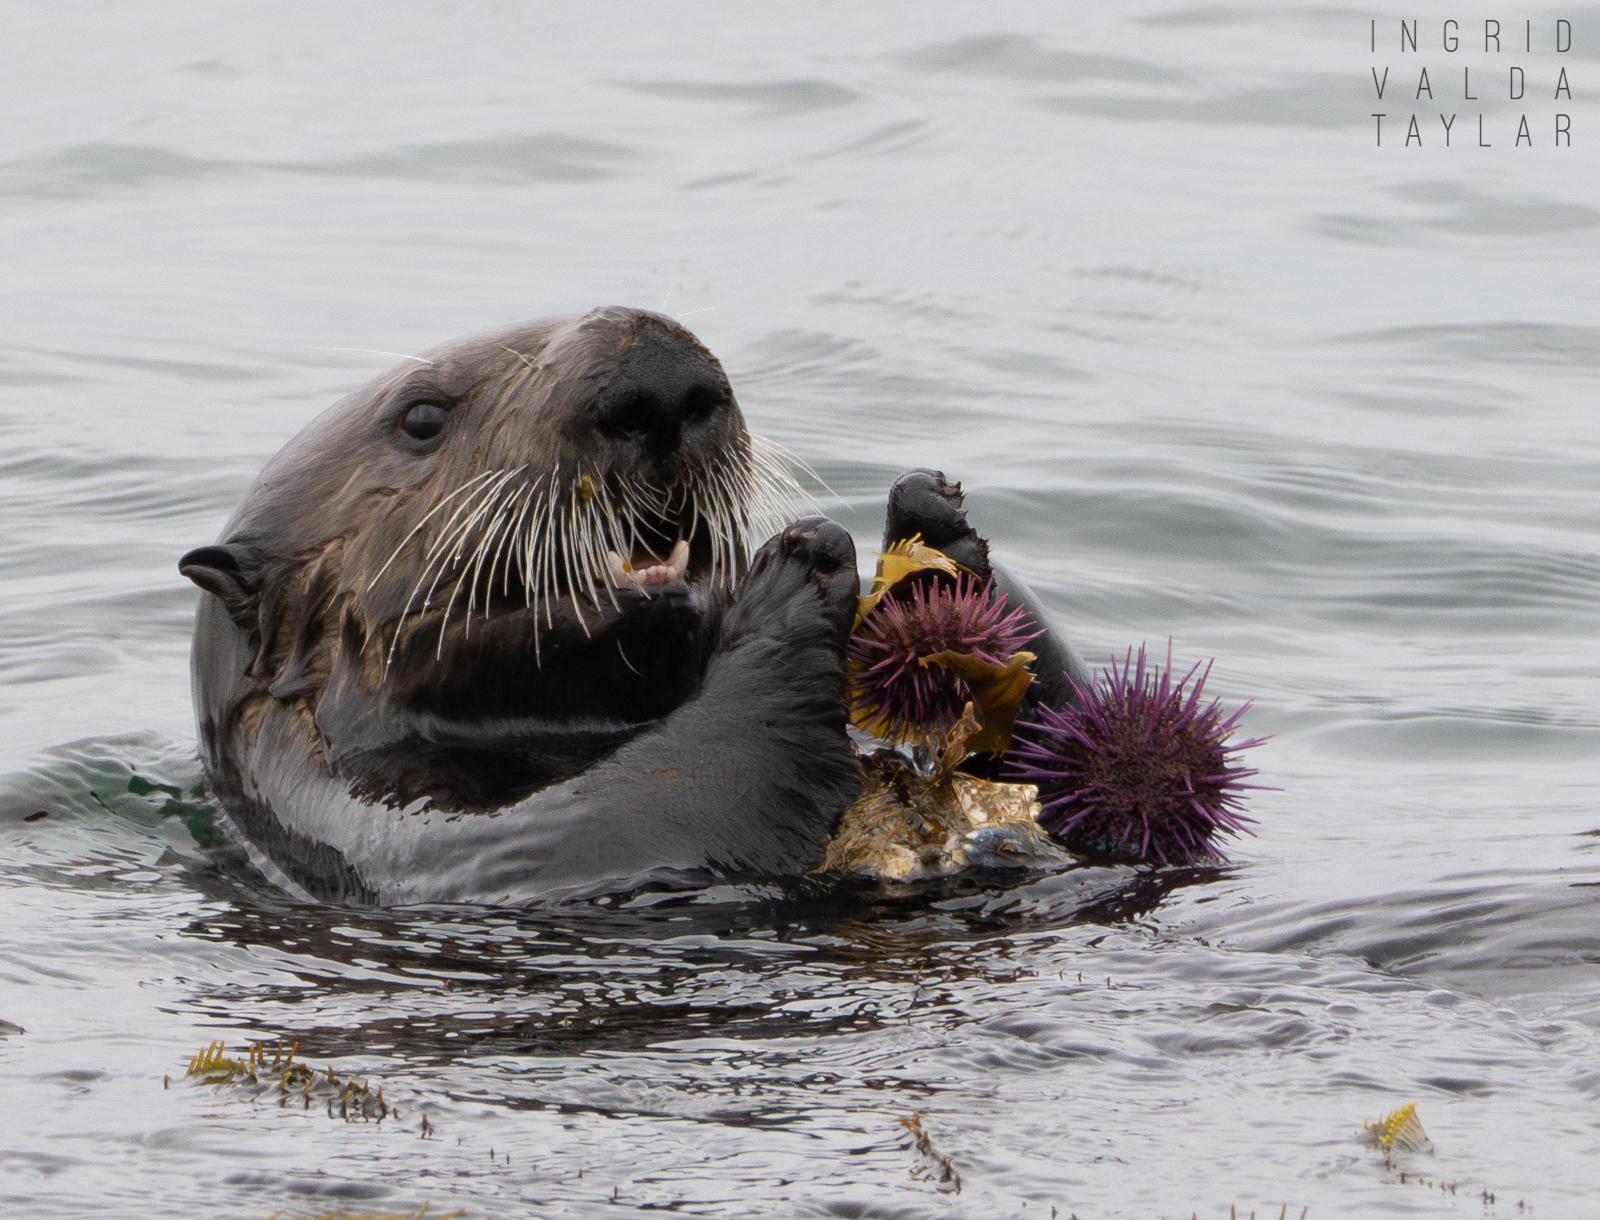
(511,541)
(644,571)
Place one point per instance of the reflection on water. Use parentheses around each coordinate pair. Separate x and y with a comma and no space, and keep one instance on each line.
(1209,365)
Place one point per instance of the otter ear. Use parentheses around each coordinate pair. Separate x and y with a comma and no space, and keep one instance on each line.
(229,572)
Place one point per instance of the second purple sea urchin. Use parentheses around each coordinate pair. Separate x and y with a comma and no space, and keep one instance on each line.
(906,652)
(1141,771)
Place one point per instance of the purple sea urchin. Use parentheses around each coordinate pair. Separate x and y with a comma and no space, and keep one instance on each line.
(1140,772)
(907,653)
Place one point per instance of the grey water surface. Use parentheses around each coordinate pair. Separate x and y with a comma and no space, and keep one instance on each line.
(1212,366)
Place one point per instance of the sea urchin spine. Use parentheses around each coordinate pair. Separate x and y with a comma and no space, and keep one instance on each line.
(898,688)
(1139,772)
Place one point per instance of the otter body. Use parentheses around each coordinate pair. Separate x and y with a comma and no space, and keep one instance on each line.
(490,631)
(485,632)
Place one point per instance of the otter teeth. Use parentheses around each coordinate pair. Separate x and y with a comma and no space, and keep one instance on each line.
(648,576)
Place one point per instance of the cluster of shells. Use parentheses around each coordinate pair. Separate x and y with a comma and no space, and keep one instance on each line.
(937,672)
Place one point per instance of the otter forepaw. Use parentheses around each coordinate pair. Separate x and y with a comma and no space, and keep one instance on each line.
(924,503)
(831,553)
(816,553)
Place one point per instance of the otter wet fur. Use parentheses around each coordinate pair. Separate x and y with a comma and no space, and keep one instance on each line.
(490,631)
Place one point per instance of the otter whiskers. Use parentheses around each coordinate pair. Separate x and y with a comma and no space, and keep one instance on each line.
(445,554)
(572,537)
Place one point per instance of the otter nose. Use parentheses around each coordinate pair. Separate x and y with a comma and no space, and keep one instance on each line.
(661,393)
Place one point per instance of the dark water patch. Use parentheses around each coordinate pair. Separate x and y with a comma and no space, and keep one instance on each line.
(606,978)
(89,169)
(121,363)
(43,1163)
(1283,532)
(1364,230)
(1177,281)
(1313,101)
(86,168)
(1202,16)
(1419,405)
(925,307)
(1497,934)
(1032,365)
(1536,344)
(537,158)
(889,139)
(1464,210)
(361,1191)
(1446,578)
(213,68)
(790,355)
(766,99)
(1430,735)
(1018,57)
(1151,523)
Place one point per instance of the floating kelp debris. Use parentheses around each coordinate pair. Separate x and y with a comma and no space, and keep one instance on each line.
(1398,1131)
(145,800)
(190,806)
(939,1168)
(929,639)
(1141,771)
(271,1070)
(903,559)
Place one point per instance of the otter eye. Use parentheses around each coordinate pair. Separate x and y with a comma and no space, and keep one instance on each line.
(424,421)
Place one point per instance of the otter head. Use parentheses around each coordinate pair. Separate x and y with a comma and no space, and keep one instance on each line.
(535,524)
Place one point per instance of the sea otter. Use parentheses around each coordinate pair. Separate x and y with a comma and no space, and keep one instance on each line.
(490,631)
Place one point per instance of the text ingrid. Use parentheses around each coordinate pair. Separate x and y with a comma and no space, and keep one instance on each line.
(1477,81)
